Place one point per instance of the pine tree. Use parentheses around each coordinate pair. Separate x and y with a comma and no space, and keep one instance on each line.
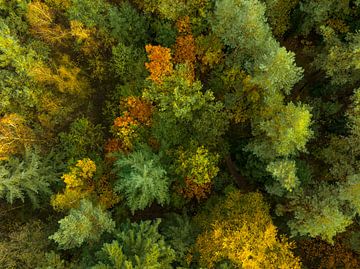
(141,179)
(84,224)
(137,246)
(26,178)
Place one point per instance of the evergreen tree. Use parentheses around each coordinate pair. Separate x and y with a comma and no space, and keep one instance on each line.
(137,246)
(85,224)
(26,178)
(141,179)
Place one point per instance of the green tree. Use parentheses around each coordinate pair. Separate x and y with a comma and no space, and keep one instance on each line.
(137,246)
(83,139)
(84,224)
(141,178)
(30,177)
(318,211)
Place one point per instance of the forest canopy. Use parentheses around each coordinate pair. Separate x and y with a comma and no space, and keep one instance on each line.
(179,134)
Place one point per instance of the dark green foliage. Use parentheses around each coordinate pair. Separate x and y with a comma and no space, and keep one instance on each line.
(27,178)
(180,233)
(128,62)
(137,246)
(91,13)
(84,139)
(186,112)
(165,32)
(141,178)
(128,26)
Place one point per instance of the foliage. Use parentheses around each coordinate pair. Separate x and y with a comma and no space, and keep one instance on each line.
(141,178)
(160,62)
(85,224)
(283,134)
(319,254)
(318,213)
(180,232)
(79,184)
(25,246)
(29,177)
(137,245)
(278,12)
(239,228)
(339,59)
(82,139)
(15,135)
(199,165)
(285,172)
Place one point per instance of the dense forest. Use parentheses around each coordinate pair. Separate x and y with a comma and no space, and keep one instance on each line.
(162,134)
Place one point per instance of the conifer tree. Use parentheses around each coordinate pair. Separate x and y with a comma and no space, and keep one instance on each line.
(84,224)
(141,178)
(137,245)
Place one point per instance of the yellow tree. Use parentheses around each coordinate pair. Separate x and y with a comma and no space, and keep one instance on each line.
(15,136)
(41,20)
(239,228)
(80,183)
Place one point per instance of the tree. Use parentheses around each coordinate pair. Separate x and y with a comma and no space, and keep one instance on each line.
(29,177)
(15,136)
(340,59)
(82,139)
(84,224)
(24,246)
(137,245)
(141,178)
(278,13)
(79,184)
(160,63)
(41,19)
(318,211)
(239,228)
(198,165)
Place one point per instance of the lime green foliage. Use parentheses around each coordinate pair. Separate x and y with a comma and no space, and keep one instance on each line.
(283,134)
(137,246)
(25,245)
(141,178)
(318,212)
(284,171)
(26,178)
(199,165)
(340,60)
(83,139)
(16,61)
(84,224)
